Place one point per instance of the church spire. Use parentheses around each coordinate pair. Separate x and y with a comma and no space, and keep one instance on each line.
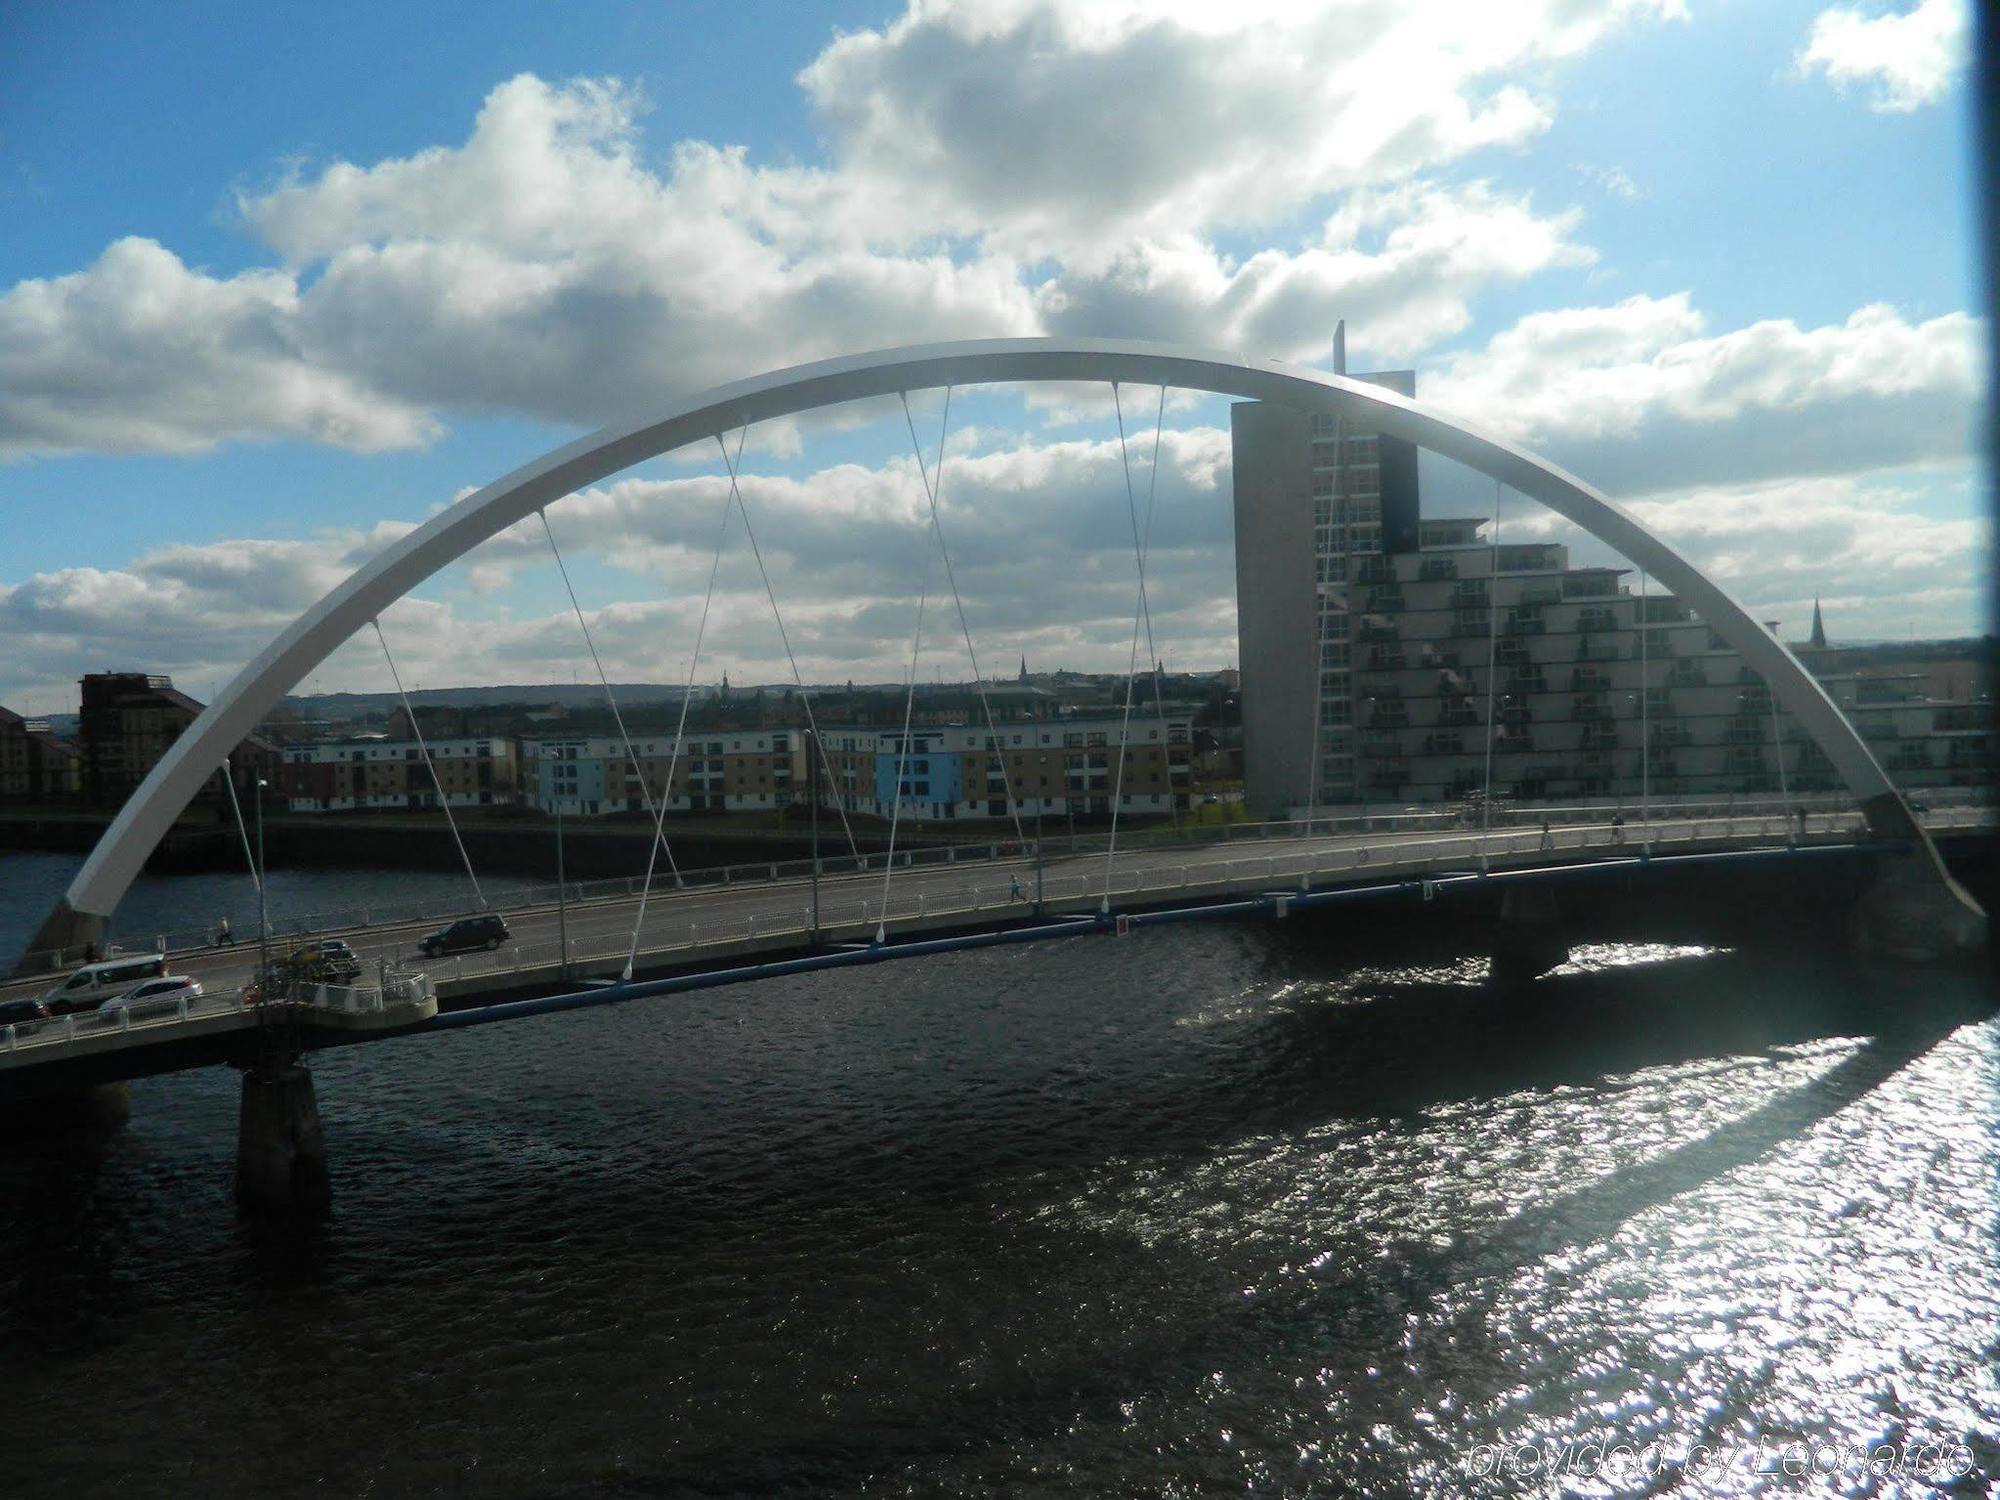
(1818,637)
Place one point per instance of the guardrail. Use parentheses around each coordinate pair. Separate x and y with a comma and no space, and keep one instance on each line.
(862,916)
(1053,846)
(1061,892)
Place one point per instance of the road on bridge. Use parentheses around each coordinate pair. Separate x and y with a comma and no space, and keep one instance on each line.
(600,930)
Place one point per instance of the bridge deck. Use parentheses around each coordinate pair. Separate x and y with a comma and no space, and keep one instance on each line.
(711,928)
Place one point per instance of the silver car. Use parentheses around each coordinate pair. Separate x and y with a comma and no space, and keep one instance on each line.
(155,995)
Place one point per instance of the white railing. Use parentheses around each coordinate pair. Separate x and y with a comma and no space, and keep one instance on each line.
(1946,807)
(1082,889)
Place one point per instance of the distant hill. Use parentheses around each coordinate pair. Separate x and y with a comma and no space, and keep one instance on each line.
(538,694)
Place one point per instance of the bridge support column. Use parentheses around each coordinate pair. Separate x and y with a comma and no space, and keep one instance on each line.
(280,1155)
(1529,940)
(62,939)
(1914,911)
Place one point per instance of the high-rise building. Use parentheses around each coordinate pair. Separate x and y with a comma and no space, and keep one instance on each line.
(1317,498)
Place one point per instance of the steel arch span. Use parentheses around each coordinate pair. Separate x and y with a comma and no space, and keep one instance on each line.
(112,865)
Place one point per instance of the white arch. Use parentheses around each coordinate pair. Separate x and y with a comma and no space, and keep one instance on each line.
(398,568)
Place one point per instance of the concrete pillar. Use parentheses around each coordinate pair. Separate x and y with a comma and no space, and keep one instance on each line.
(1529,939)
(280,1156)
(1277,603)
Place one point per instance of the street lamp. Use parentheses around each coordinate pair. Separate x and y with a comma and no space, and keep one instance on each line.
(562,897)
(263,907)
(812,791)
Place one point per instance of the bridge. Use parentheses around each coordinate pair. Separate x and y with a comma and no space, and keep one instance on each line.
(903,908)
(733,926)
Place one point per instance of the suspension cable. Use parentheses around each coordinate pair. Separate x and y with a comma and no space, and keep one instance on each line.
(903,751)
(1492,646)
(931,491)
(236,807)
(1159,698)
(610,698)
(429,764)
(1645,709)
(805,696)
(1132,665)
(680,729)
(903,747)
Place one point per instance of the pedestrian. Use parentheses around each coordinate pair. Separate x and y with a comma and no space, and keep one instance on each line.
(1618,828)
(1800,814)
(223,936)
(1548,839)
(1014,891)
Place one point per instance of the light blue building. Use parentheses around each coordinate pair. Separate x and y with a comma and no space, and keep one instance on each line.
(569,777)
(933,777)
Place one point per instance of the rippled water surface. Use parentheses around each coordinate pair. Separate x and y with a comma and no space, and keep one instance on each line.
(1278,1209)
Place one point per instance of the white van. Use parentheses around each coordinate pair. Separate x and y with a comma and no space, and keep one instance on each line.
(95,983)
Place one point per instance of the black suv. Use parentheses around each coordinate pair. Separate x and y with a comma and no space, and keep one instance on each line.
(486,931)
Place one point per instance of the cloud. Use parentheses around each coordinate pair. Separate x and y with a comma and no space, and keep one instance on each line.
(1401,265)
(1638,398)
(1910,57)
(1040,538)
(1073,130)
(1871,548)
(993,168)
(139,353)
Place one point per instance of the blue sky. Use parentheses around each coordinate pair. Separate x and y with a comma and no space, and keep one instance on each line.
(278,283)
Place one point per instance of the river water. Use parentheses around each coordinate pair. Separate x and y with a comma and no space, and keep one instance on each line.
(1292,1208)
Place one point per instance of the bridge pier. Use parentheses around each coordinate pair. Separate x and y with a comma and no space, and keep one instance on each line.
(1915,911)
(280,1154)
(1530,938)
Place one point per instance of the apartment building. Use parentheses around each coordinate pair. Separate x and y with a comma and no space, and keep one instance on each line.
(126,721)
(939,771)
(725,771)
(35,766)
(1379,646)
(1052,767)
(384,774)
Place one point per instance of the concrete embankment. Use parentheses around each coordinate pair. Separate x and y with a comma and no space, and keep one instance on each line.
(523,846)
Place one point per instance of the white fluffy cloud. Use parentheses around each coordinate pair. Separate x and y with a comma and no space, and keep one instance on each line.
(1910,58)
(1640,398)
(1074,130)
(1040,539)
(993,168)
(1879,559)
(138,353)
